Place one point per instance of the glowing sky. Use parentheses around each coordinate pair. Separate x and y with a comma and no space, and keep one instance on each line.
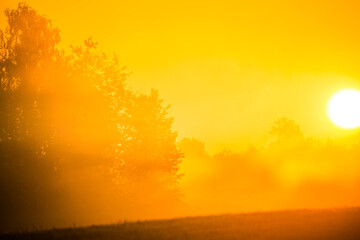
(228,69)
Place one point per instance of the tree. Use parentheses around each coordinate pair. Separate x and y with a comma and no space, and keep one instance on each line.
(27,45)
(287,134)
(147,158)
(68,120)
(141,145)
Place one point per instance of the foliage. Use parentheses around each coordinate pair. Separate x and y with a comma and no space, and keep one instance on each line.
(63,115)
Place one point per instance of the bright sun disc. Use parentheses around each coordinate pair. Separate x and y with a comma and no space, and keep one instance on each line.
(344,108)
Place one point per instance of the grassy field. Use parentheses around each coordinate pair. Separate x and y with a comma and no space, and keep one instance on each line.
(342,224)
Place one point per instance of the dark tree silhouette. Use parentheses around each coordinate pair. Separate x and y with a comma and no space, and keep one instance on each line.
(71,118)
(28,55)
(27,46)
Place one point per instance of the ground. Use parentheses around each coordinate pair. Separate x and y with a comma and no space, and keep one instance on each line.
(331,224)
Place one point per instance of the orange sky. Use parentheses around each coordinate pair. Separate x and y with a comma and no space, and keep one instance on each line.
(228,69)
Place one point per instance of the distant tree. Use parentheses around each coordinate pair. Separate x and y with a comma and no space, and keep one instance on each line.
(193,148)
(197,162)
(287,133)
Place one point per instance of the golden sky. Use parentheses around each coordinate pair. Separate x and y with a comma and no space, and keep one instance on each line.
(229,69)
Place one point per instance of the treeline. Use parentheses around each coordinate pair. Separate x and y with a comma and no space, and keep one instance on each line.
(290,171)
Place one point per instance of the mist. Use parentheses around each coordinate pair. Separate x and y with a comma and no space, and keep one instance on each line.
(78,146)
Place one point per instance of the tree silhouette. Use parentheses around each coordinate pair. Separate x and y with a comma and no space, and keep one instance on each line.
(140,143)
(287,134)
(27,46)
(27,56)
(62,114)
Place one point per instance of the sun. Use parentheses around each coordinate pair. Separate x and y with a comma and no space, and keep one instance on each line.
(344,108)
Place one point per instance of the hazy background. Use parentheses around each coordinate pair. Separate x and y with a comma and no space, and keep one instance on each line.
(248,85)
(240,64)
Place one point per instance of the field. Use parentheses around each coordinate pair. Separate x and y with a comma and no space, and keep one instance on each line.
(341,224)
